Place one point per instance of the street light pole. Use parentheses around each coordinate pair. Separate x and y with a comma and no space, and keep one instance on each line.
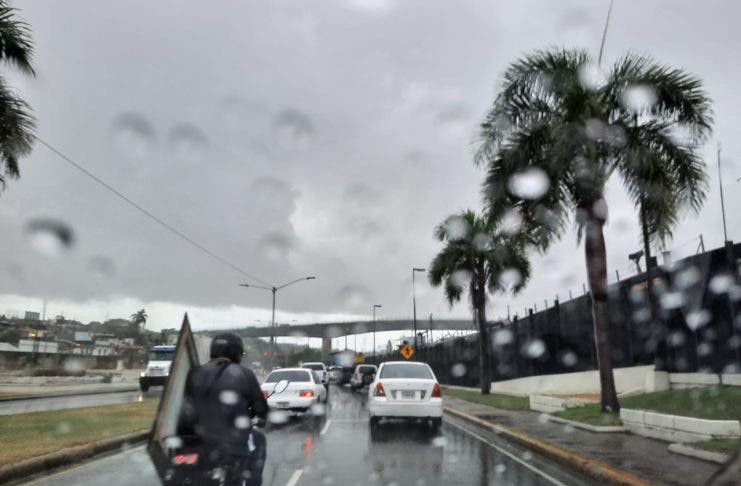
(414,304)
(274,290)
(375,306)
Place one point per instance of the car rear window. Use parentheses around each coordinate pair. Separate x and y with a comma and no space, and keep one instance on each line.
(366,369)
(290,375)
(406,371)
(313,366)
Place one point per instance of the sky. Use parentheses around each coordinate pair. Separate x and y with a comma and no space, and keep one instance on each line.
(296,139)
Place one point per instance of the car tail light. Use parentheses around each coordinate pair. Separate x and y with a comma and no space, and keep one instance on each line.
(379,391)
(437,392)
(181,459)
(306,393)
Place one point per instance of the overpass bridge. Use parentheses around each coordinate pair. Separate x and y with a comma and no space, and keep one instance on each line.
(330,330)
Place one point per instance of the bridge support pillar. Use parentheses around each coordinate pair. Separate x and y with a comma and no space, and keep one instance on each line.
(326,347)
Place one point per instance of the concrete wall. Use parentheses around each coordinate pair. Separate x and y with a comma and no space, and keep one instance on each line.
(626,380)
(674,428)
(548,404)
(639,379)
(17,361)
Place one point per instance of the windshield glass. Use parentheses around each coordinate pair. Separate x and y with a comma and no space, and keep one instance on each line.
(293,376)
(313,366)
(535,203)
(405,371)
(161,355)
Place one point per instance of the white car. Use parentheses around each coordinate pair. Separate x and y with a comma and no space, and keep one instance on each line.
(404,389)
(301,394)
(320,371)
(363,376)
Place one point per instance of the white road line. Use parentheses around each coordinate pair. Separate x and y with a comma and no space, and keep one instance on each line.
(511,456)
(326,426)
(295,477)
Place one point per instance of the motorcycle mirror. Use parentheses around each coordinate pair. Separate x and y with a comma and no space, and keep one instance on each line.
(281,386)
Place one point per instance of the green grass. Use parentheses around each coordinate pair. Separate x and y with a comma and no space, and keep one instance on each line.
(714,403)
(590,414)
(506,402)
(33,434)
(725,446)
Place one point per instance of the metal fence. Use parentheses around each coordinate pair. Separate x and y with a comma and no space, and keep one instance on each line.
(698,305)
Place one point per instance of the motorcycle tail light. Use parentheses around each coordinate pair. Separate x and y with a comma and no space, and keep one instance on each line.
(265,395)
(437,392)
(306,393)
(181,459)
(379,391)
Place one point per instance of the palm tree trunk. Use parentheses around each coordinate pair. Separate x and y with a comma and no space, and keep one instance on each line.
(596,259)
(484,358)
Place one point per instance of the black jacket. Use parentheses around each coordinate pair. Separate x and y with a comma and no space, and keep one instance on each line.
(219,398)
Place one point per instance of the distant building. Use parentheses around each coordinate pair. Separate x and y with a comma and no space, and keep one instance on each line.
(32,316)
(84,343)
(33,346)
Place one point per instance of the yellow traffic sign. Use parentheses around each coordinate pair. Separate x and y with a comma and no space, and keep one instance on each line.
(407,351)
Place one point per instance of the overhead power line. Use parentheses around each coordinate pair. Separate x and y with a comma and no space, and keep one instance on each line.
(151,215)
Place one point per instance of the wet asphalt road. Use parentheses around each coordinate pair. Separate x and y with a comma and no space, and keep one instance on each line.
(75,401)
(339,450)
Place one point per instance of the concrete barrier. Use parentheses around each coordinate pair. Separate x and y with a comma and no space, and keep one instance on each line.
(549,404)
(676,428)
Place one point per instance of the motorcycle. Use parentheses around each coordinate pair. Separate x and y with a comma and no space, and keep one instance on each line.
(194,463)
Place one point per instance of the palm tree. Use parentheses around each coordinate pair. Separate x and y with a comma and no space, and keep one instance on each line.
(16,122)
(139,319)
(477,256)
(558,117)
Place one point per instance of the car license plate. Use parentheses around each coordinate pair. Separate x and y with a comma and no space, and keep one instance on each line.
(281,404)
(407,395)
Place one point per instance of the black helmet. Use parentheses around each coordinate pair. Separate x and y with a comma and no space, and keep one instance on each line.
(228,346)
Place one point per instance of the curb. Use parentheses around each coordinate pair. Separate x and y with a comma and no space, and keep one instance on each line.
(68,394)
(592,468)
(69,455)
(685,450)
(602,429)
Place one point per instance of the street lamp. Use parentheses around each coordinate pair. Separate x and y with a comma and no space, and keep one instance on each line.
(275,290)
(414,304)
(375,306)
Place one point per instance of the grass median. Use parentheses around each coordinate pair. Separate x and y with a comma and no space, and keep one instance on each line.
(712,403)
(496,400)
(34,434)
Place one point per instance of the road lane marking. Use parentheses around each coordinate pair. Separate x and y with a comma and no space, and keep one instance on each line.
(326,426)
(511,456)
(295,477)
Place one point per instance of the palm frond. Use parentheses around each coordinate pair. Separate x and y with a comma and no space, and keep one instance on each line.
(16,47)
(16,132)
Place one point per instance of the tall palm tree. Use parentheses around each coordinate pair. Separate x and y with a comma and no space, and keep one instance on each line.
(139,319)
(16,122)
(561,118)
(478,258)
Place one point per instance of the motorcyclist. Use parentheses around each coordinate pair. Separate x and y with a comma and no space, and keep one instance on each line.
(222,399)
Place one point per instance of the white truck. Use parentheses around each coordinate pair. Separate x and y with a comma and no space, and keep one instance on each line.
(158,367)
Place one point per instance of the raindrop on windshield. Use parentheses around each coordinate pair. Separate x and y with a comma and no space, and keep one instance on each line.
(173,442)
(242,422)
(188,141)
(568,359)
(482,242)
(639,97)
(672,300)
(49,237)
(439,441)
(510,278)
(64,428)
(591,77)
(503,337)
(456,228)
(458,370)
(74,367)
(318,410)
(676,339)
(133,134)
(532,183)
(533,348)
(721,283)
(687,277)
(698,318)
(461,278)
(500,469)
(511,222)
(228,397)
(599,208)
(278,417)
(595,129)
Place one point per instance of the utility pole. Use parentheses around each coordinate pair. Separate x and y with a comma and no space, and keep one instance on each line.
(722,202)
(375,306)
(414,304)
